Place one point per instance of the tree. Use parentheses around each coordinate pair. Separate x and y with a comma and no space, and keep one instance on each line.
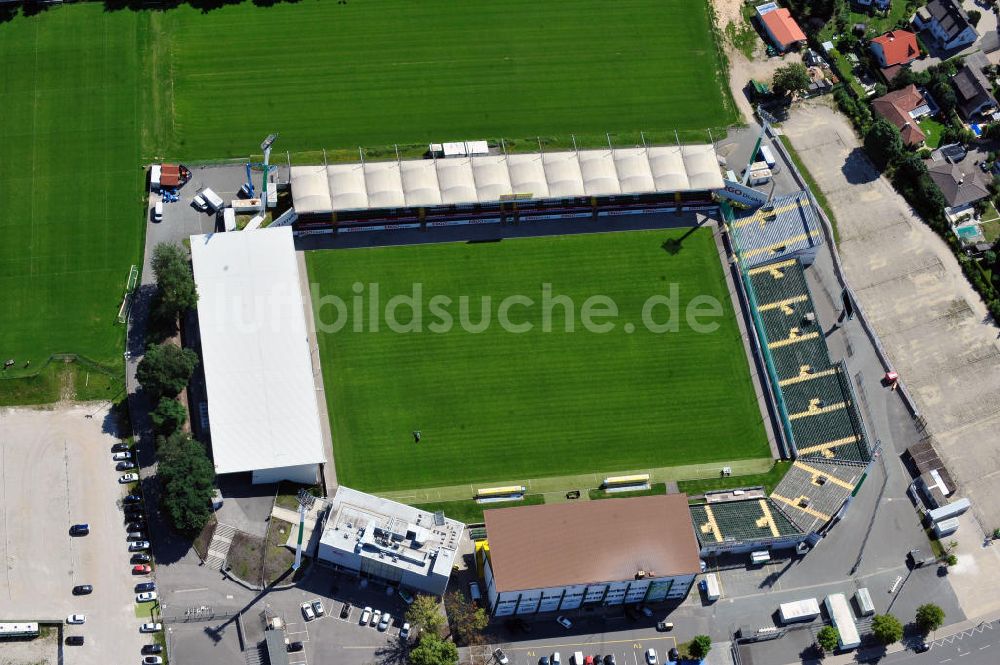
(887,629)
(166,369)
(188,479)
(700,646)
(432,650)
(929,617)
(173,276)
(883,143)
(168,416)
(425,612)
(828,639)
(792,78)
(467,618)
(974,17)
(944,95)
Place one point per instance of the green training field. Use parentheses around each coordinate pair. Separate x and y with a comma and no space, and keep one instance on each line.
(330,75)
(70,220)
(501,406)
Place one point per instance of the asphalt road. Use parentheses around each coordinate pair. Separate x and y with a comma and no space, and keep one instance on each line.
(977,646)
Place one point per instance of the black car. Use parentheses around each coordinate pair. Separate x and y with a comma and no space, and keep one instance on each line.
(75,640)
(133,514)
(145,586)
(124,466)
(345,610)
(135,526)
(119,448)
(295,646)
(922,647)
(673,655)
(79,530)
(140,557)
(152,648)
(132,498)
(82,589)
(610,659)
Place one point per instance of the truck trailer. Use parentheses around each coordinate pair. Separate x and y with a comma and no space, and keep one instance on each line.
(806,609)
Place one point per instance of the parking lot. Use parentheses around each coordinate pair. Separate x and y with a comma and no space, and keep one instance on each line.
(56,471)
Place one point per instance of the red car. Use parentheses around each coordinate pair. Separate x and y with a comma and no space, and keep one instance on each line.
(141,570)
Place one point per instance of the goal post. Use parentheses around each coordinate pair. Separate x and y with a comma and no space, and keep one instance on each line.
(130,284)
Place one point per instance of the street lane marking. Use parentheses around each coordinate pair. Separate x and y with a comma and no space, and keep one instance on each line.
(589,644)
(201,588)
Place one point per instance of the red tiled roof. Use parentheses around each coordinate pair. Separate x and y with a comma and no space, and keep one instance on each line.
(896,106)
(898,47)
(783,27)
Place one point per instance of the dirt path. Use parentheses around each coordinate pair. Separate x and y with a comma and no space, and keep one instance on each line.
(933,325)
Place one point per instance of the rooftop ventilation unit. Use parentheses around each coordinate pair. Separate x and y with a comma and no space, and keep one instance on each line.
(804,502)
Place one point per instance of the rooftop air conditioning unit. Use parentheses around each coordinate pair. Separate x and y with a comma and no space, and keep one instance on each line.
(821,480)
(809,318)
(641,574)
(804,502)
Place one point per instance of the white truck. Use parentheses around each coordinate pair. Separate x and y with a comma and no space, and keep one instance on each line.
(760,174)
(213,200)
(228,219)
(806,609)
(710,585)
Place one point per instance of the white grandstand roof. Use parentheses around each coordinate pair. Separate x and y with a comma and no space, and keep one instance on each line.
(262,404)
(489,178)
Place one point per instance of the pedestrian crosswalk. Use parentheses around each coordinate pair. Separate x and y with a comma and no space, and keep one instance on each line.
(218,549)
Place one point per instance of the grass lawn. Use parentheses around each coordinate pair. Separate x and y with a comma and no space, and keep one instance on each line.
(471,512)
(505,406)
(71,91)
(344,75)
(932,129)
(768,480)
(876,22)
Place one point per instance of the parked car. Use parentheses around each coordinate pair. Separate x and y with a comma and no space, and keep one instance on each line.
(119,447)
(307,611)
(610,659)
(474,593)
(376,617)
(590,660)
(152,648)
(556,659)
(150,627)
(79,530)
(646,612)
(128,478)
(198,202)
(404,632)
(564,622)
(134,535)
(124,466)
(138,546)
(145,586)
(135,526)
(147,597)
(123,455)
(673,655)
(501,657)
(318,607)
(406,596)
(651,656)
(664,626)
(366,615)
(158,211)
(142,569)
(386,621)
(152,660)
(141,558)
(544,660)
(345,610)
(75,640)
(294,646)
(131,498)
(76,618)
(82,589)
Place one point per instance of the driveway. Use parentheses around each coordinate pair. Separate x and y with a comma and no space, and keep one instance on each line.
(933,325)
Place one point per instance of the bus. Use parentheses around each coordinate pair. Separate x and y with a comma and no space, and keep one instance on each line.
(843,620)
(23,629)
(509,490)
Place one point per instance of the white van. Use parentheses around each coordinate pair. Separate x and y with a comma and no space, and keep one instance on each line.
(767,156)
(158,211)
(229,219)
(864,600)
(213,200)
(760,558)
(710,585)
(577,658)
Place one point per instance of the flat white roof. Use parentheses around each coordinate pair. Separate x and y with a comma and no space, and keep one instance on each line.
(262,405)
(488,178)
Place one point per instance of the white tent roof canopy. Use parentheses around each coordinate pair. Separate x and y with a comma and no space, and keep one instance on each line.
(489,178)
(262,404)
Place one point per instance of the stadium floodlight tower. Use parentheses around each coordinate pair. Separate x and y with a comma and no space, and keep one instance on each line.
(306,501)
(765,124)
(266,147)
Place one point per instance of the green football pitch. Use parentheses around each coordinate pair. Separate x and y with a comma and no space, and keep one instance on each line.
(89,95)
(496,406)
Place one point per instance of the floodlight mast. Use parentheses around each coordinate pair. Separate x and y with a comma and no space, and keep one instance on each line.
(266,147)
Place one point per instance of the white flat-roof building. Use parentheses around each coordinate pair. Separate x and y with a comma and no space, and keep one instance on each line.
(375,537)
(263,412)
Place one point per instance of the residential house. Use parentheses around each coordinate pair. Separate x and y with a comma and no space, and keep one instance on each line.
(896,47)
(881,5)
(781,28)
(902,108)
(961,184)
(973,88)
(947,23)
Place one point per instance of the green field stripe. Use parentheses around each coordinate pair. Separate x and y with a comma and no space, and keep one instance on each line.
(562,484)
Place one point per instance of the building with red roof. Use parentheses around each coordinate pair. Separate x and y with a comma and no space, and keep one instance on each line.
(782,29)
(902,108)
(896,47)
